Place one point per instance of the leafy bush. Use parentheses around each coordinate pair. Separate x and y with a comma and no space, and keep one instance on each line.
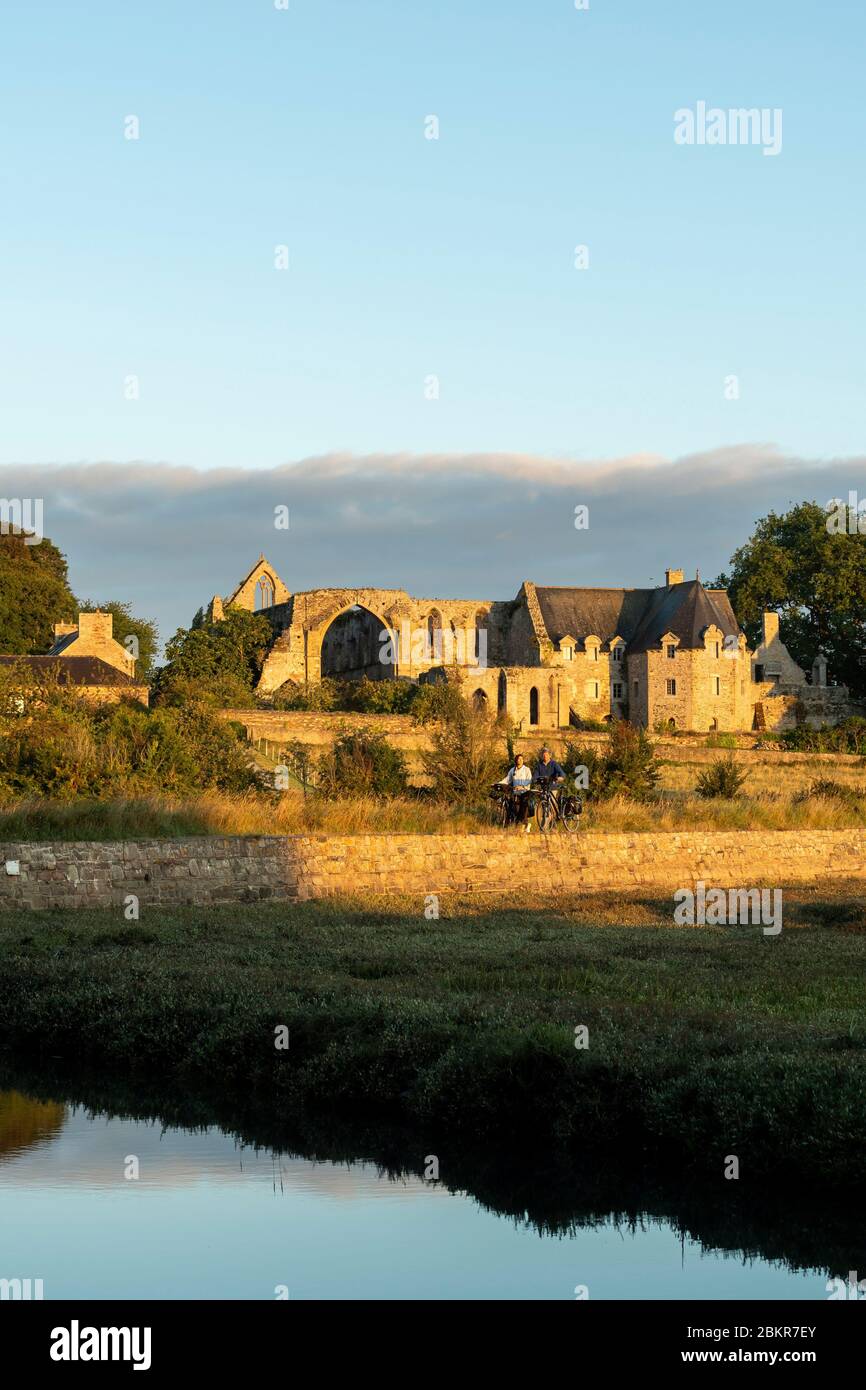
(426,703)
(319,697)
(847,737)
(55,743)
(721,778)
(436,702)
(362,762)
(716,740)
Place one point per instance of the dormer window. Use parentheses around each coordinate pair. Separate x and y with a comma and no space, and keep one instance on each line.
(671,651)
(568,653)
(618,652)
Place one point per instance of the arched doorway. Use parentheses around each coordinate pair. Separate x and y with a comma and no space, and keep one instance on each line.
(533,705)
(479,701)
(357,643)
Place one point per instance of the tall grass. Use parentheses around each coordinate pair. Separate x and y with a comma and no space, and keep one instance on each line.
(253,813)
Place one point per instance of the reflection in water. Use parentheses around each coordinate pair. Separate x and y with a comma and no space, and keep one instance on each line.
(24,1121)
(215,1213)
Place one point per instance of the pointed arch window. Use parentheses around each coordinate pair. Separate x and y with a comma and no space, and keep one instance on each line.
(264,592)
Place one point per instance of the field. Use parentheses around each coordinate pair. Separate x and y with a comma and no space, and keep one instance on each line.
(702,1042)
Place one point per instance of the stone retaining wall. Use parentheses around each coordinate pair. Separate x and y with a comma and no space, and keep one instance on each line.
(205,870)
(201,869)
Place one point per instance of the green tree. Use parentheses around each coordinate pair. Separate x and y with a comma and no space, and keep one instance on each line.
(816,579)
(219,663)
(34,594)
(467,754)
(127,625)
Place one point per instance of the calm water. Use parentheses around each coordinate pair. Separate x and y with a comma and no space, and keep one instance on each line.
(209,1218)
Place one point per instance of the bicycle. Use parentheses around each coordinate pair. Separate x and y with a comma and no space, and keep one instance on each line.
(556,805)
(505,805)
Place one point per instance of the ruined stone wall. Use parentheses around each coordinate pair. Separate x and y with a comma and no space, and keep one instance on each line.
(207,871)
(305,627)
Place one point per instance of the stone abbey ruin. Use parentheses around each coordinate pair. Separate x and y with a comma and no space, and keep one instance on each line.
(672,655)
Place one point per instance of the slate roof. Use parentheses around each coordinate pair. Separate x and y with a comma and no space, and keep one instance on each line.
(640,616)
(75,670)
(61,643)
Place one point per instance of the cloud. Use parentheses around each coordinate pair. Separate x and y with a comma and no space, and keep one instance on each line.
(167,537)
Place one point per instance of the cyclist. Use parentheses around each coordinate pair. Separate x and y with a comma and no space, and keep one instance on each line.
(518,779)
(548,773)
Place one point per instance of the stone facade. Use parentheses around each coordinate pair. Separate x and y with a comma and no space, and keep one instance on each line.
(671,656)
(211,870)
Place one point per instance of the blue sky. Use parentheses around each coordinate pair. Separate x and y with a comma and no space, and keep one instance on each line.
(411,257)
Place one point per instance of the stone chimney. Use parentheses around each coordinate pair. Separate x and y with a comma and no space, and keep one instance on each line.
(819,670)
(95,627)
(673,577)
(770,621)
(64,630)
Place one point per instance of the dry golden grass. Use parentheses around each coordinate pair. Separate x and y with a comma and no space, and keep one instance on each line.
(768,811)
(220,813)
(764,778)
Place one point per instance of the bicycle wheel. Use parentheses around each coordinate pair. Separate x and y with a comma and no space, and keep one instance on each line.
(570,812)
(544,813)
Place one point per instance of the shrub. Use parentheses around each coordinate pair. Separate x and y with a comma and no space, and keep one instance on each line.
(847,737)
(721,778)
(716,740)
(53,742)
(829,790)
(466,756)
(629,764)
(319,697)
(626,766)
(362,762)
(436,702)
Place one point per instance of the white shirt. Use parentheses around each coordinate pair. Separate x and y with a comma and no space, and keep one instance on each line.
(518,777)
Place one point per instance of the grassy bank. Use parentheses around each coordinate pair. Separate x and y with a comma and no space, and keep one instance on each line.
(251,813)
(702,1042)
